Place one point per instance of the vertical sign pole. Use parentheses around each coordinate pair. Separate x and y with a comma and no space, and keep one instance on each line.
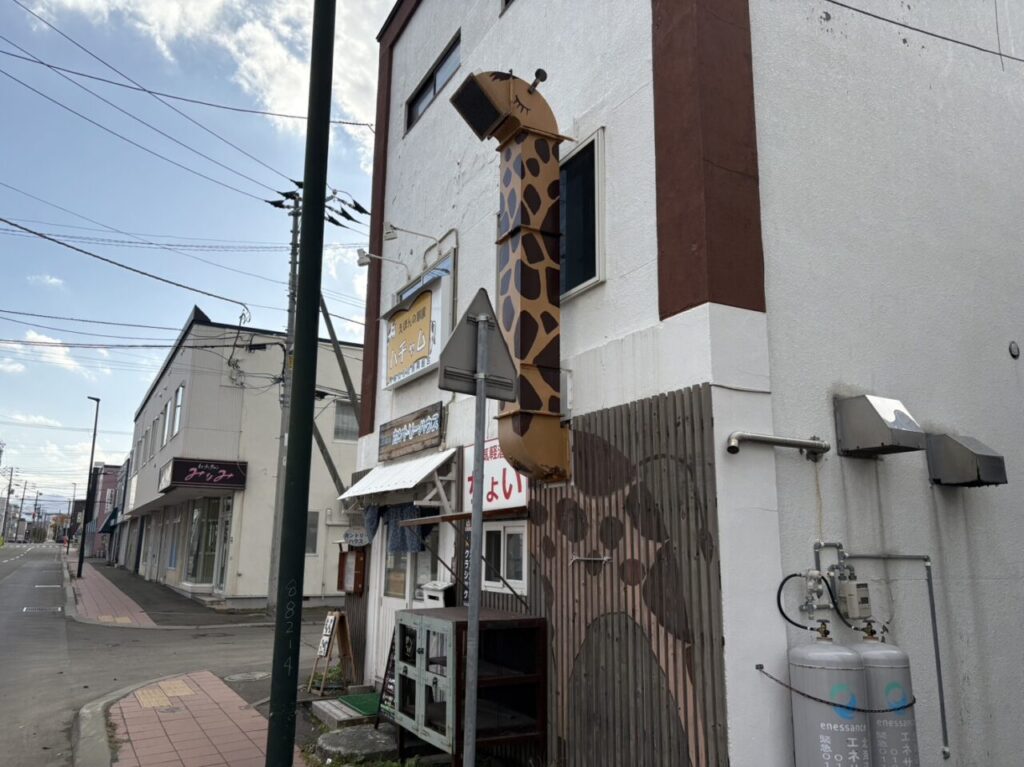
(476,540)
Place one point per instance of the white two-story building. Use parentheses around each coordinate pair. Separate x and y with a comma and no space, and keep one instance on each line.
(203,473)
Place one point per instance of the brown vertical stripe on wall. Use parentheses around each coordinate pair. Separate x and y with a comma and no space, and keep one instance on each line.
(705,140)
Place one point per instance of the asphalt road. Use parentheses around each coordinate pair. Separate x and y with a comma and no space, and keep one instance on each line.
(50,666)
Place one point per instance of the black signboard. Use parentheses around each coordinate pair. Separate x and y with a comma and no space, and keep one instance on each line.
(386,707)
(201,472)
(410,433)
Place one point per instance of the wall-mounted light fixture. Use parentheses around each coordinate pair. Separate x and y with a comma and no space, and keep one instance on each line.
(391,233)
(363,259)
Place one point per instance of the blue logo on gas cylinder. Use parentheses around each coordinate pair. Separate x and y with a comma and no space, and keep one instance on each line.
(838,691)
(896,698)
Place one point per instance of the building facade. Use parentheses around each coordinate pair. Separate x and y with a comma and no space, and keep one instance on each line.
(97,534)
(203,470)
(762,211)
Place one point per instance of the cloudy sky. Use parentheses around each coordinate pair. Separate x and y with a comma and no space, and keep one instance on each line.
(251,54)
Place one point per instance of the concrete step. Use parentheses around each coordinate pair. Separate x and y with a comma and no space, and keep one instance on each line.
(334,714)
(361,743)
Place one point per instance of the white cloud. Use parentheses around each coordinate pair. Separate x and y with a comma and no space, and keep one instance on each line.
(33,419)
(55,353)
(46,280)
(8,365)
(269,42)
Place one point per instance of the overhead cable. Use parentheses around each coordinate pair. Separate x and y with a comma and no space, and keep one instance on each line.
(141,272)
(134,143)
(200,102)
(111,67)
(149,125)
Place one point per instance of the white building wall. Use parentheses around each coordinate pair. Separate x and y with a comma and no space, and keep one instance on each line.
(891,194)
(225,421)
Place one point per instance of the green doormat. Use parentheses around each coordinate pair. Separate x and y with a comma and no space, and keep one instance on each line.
(366,703)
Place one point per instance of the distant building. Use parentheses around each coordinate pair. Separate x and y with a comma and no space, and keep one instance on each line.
(199,513)
(105,476)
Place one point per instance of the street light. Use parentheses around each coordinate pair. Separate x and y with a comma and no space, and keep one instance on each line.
(364,260)
(91,489)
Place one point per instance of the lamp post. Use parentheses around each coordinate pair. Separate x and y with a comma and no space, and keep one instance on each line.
(90,488)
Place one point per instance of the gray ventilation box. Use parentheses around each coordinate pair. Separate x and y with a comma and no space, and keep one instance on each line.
(868,426)
(963,462)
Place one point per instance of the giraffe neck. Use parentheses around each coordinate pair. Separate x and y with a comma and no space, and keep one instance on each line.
(529,429)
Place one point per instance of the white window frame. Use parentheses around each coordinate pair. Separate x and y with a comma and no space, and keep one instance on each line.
(493,584)
(154,435)
(179,403)
(597,139)
(166,431)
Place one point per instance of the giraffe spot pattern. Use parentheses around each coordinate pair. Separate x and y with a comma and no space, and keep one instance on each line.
(548,320)
(533,166)
(528,397)
(528,284)
(549,356)
(543,149)
(571,521)
(551,376)
(532,249)
(526,334)
(508,314)
(631,572)
(538,512)
(554,403)
(532,198)
(610,532)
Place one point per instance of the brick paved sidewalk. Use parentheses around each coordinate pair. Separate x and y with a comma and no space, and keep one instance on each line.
(96,598)
(194,720)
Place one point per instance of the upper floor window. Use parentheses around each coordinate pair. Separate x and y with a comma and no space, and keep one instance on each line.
(580,217)
(168,411)
(346,425)
(179,398)
(432,84)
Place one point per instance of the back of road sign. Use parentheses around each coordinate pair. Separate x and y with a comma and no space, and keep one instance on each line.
(458,358)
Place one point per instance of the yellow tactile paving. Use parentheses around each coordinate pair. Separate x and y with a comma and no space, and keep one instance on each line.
(121,619)
(176,688)
(152,697)
(106,618)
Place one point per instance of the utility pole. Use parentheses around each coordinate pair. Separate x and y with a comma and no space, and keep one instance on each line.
(7,503)
(21,508)
(286,396)
(285,671)
(90,488)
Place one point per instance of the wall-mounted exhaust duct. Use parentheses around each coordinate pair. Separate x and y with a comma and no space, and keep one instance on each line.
(869,426)
(963,462)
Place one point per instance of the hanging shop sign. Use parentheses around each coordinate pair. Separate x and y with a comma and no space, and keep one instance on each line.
(411,433)
(200,472)
(411,338)
(503,486)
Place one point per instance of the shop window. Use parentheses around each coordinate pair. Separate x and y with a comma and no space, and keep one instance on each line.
(395,573)
(505,552)
(426,567)
(580,217)
(312,530)
(202,548)
(432,84)
(346,425)
(172,554)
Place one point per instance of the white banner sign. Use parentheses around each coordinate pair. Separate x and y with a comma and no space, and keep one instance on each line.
(503,486)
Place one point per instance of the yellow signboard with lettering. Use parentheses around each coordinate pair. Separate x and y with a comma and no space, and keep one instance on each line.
(410,339)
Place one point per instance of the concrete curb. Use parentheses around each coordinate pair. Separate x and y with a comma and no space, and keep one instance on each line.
(90,746)
(71,611)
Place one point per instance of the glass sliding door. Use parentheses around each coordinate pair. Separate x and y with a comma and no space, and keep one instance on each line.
(223,543)
(202,548)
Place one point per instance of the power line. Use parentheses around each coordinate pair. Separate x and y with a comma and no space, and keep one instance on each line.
(130,141)
(138,119)
(925,32)
(82,332)
(154,95)
(118,264)
(19,424)
(91,322)
(200,102)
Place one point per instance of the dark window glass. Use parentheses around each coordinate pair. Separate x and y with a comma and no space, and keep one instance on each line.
(312,528)
(492,553)
(578,219)
(346,426)
(435,80)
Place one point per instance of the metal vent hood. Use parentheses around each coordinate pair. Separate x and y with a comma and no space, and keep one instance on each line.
(963,462)
(867,426)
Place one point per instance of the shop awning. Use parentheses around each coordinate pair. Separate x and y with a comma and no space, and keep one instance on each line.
(110,522)
(399,475)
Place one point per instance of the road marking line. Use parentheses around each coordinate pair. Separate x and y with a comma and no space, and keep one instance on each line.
(47,585)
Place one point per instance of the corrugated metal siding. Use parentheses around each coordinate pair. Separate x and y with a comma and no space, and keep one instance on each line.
(636,669)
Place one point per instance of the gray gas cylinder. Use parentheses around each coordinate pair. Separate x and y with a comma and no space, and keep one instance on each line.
(894,734)
(825,734)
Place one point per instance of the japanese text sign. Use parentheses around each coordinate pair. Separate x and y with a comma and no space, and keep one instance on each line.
(503,486)
(197,472)
(411,342)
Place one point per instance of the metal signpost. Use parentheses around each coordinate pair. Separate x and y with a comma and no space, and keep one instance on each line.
(474,364)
